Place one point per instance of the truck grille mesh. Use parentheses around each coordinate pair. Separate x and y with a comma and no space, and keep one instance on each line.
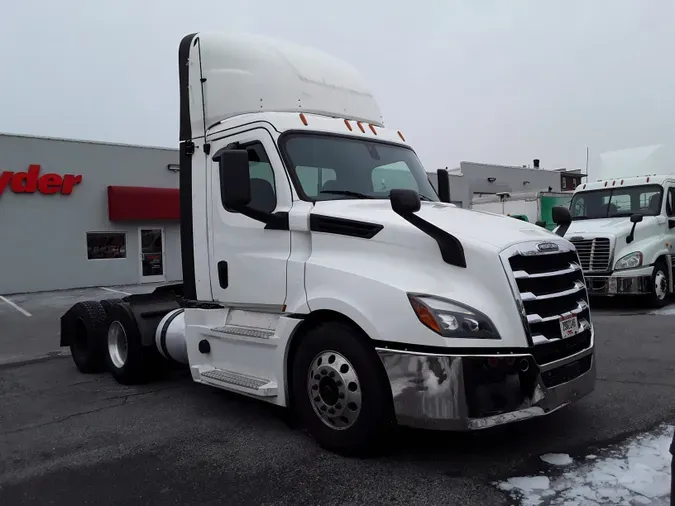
(594,254)
(550,286)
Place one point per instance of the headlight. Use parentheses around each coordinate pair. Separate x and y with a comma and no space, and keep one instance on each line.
(629,261)
(452,319)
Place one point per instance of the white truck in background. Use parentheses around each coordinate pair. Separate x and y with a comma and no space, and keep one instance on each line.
(322,272)
(623,228)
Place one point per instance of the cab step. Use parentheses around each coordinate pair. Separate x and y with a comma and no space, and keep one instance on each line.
(245,383)
(240,330)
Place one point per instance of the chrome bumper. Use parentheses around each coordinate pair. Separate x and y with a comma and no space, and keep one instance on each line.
(471,392)
(618,285)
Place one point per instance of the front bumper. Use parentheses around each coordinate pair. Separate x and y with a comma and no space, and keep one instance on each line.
(633,282)
(471,392)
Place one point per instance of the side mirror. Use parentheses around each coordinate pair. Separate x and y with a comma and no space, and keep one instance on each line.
(235,179)
(404,202)
(443,185)
(634,219)
(561,217)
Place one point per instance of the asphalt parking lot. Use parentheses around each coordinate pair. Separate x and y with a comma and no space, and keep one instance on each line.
(68,438)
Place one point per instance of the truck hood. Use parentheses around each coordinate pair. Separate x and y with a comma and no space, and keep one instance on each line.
(495,230)
(605,226)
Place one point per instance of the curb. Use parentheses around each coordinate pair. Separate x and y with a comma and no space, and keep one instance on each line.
(31,359)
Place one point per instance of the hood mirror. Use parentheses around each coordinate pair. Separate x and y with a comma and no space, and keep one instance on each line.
(634,219)
(561,217)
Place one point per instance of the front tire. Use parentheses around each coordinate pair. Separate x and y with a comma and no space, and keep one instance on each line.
(659,285)
(340,390)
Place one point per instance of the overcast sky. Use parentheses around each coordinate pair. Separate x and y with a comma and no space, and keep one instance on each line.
(479,80)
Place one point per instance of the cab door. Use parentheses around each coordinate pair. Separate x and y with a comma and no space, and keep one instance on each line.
(247,261)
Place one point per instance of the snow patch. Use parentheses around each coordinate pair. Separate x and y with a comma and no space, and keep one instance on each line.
(634,473)
(669,310)
(557,459)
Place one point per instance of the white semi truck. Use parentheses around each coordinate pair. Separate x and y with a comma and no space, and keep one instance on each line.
(314,280)
(624,229)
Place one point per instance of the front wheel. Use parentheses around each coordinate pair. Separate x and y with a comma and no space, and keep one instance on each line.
(340,390)
(659,285)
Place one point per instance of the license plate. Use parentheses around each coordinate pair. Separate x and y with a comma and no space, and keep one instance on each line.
(569,326)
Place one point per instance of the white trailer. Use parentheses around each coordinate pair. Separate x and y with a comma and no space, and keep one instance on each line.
(534,206)
(321,271)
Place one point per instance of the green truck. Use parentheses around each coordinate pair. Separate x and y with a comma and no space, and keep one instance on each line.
(534,207)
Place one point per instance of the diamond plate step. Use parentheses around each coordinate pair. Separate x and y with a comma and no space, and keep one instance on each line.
(231,380)
(244,331)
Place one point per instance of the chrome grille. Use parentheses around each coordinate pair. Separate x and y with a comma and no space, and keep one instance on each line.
(594,254)
(550,285)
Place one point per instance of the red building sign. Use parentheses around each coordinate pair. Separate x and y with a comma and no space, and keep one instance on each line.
(32,182)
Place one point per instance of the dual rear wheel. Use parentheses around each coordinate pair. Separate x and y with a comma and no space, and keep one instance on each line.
(104,336)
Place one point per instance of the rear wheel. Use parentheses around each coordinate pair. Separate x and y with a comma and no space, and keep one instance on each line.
(340,390)
(87,329)
(128,361)
(109,303)
(659,285)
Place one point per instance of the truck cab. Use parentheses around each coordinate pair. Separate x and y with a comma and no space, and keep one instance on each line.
(623,230)
(323,273)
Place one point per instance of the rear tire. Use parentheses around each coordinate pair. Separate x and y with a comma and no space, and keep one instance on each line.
(87,329)
(129,362)
(341,393)
(660,281)
(109,303)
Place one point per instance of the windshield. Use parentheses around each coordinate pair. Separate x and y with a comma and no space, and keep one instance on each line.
(617,202)
(330,167)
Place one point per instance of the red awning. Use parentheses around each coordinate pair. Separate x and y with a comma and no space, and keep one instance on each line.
(137,203)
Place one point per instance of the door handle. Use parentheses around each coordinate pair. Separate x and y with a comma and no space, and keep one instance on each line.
(222,274)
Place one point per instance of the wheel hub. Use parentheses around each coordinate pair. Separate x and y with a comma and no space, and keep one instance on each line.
(117,344)
(334,390)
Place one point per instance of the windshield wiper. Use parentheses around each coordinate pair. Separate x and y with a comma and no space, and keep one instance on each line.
(348,193)
(580,218)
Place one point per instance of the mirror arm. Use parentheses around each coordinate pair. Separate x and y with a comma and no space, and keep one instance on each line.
(631,236)
(451,248)
(562,229)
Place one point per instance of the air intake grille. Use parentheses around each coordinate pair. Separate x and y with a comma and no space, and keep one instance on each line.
(551,286)
(594,254)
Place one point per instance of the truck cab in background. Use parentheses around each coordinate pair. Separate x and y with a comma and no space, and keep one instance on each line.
(623,229)
(322,272)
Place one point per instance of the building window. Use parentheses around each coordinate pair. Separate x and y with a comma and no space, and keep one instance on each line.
(105,245)
(564,183)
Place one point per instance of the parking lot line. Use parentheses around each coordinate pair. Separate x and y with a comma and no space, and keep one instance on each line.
(15,306)
(113,290)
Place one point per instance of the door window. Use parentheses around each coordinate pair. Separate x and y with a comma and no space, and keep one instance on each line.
(670,201)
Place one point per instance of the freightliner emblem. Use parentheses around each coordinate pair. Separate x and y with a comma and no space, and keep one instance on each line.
(547,246)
